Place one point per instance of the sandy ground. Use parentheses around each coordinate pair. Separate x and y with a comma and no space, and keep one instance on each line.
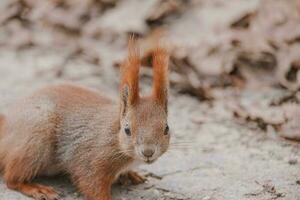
(220,158)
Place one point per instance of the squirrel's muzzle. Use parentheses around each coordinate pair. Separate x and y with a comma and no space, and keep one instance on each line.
(148,153)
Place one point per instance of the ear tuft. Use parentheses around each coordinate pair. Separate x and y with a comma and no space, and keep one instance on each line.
(130,72)
(160,64)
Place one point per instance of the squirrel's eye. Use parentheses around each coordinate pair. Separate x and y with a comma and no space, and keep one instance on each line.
(127,131)
(167,130)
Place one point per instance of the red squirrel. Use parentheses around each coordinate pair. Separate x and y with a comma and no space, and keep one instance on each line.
(75,130)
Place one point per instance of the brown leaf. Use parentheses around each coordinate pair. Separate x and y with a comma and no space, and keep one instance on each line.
(262,116)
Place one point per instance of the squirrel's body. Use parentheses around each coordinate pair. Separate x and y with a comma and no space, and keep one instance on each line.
(75,130)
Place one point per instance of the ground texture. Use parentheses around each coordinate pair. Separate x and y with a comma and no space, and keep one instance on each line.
(219,156)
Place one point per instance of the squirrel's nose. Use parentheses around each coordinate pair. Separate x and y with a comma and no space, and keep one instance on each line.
(148,153)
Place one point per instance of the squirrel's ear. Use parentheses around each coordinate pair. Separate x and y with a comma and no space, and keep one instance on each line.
(124,99)
(160,64)
(130,75)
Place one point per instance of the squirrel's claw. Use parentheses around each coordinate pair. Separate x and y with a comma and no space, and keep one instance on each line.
(136,178)
(131,177)
(47,193)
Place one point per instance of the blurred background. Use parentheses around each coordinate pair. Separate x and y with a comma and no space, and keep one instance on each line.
(234,78)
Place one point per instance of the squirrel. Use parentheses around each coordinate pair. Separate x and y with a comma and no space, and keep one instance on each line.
(74,130)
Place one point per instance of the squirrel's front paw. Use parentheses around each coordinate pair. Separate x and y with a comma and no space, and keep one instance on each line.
(46,193)
(36,191)
(131,177)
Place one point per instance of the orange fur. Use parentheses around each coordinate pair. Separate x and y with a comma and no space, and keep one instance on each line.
(2,119)
(1,122)
(160,73)
(130,71)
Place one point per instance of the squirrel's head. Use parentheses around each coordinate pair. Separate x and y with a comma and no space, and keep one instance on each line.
(144,133)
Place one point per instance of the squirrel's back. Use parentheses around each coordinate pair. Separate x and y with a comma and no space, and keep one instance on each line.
(51,120)
(53,103)
(71,94)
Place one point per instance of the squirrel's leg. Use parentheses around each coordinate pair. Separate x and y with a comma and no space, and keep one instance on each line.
(97,189)
(20,171)
(36,191)
(103,193)
(131,177)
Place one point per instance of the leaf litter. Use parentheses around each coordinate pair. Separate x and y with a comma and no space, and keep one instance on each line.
(215,44)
